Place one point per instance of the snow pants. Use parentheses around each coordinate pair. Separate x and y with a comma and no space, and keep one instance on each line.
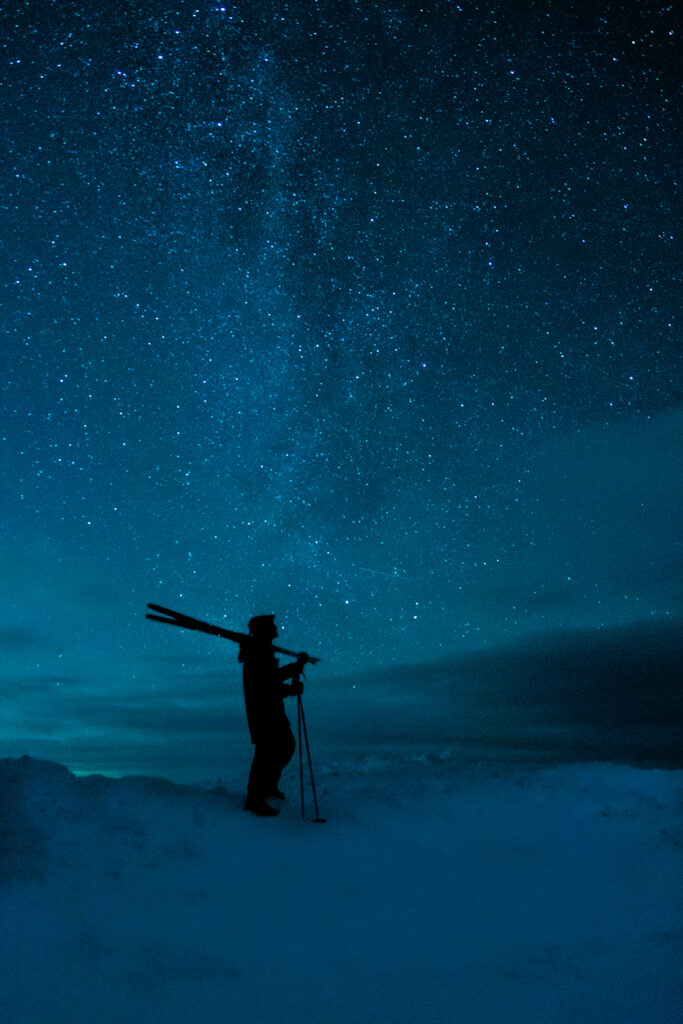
(272,751)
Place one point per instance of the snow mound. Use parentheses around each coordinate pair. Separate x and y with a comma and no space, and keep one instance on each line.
(434,894)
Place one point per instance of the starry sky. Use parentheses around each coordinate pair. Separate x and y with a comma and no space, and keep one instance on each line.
(363,314)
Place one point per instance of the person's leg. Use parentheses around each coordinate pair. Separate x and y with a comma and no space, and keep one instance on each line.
(282,751)
(259,779)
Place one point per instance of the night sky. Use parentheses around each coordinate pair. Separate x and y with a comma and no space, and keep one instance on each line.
(358,313)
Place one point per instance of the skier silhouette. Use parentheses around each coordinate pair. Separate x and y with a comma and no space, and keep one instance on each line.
(264,692)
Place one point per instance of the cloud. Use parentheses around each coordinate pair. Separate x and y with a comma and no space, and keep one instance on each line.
(582,693)
(599,694)
(41,685)
(18,640)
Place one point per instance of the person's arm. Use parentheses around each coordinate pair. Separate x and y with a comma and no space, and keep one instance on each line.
(293,671)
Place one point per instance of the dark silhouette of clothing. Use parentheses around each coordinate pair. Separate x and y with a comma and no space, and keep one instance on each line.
(272,753)
(265,689)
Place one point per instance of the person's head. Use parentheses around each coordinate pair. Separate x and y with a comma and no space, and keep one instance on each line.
(262,627)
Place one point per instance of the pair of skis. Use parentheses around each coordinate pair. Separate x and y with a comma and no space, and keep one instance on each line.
(187,622)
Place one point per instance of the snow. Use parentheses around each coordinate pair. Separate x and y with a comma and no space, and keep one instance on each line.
(435,893)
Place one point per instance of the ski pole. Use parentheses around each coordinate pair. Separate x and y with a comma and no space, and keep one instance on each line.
(301,758)
(302,722)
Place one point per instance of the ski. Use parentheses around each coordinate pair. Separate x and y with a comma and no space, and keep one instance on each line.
(188,622)
(173,618)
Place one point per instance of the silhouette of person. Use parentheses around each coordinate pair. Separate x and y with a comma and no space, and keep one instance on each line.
(264,692)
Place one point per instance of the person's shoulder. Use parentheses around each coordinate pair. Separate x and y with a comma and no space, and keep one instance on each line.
(253,650)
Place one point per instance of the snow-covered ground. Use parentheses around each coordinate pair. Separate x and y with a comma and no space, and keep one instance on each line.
(436,893)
